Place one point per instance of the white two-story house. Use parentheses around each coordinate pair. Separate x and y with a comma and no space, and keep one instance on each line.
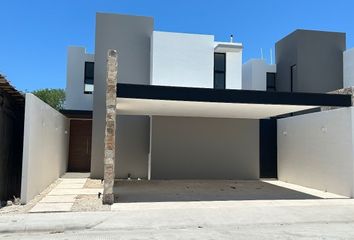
(187,108)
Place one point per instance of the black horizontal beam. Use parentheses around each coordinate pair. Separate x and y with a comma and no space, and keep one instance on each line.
(81,114)
(231,96)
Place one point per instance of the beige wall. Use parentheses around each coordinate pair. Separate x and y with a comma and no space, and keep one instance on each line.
(316,150)
(45,147)
(204,148)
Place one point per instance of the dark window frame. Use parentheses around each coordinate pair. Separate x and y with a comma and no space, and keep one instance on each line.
(220,71)
(271,86)
(88,80)
(293,74)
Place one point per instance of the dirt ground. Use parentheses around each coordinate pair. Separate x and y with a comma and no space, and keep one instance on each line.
(83,202)
(24,208)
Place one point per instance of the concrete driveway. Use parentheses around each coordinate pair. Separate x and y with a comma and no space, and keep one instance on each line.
(197,210)
(212,190)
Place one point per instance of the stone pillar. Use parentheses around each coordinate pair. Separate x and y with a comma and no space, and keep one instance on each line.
(110,137)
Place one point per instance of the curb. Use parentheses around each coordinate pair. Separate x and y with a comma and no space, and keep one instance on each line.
(63,221)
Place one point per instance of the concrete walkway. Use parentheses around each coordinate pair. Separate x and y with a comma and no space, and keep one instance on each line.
(63,196)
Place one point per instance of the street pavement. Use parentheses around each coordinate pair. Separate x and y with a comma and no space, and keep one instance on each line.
(256,219)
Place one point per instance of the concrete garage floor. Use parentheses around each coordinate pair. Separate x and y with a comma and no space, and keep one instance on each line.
(134,191)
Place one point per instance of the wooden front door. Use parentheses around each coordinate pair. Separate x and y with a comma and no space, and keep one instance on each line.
(80,146)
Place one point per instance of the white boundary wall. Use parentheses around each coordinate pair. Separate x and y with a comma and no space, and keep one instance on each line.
(316,150)
(45,147)
(348,68)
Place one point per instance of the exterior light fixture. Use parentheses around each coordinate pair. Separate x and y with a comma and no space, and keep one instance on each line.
(323,129)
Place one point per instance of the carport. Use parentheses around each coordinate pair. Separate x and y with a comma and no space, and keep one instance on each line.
(150,100)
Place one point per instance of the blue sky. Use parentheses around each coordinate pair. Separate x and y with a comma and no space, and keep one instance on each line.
(35,34)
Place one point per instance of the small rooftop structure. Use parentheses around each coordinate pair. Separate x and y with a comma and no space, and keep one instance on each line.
(228,47)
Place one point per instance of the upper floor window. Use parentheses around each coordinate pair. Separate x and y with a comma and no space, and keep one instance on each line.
(88,80)
(293,77)
(219,70)
(271,81)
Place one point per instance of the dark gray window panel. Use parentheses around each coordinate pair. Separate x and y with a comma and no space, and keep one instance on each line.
(219,80)
(89,70)
(89,77)
(293,76)
(219,70)
(219,62)
(271,81)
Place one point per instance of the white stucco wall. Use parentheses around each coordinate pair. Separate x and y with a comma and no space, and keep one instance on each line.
(254,74)
(316,150)
(348,68)
(181,59)
(187,60)
(45,147)
(204,148)
(233,70)
(76,99)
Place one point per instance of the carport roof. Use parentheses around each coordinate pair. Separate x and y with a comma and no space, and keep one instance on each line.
(224,103)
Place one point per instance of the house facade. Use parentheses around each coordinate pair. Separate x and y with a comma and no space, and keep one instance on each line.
(187,107)
(151,57)
(166,141)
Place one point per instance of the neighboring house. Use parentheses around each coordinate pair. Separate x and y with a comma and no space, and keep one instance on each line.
(258,75)
(310,61)
(348,68)
(194,111)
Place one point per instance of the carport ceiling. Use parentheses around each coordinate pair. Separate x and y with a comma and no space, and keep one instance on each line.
(203,102)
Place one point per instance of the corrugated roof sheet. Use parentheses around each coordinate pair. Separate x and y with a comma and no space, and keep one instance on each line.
(6,86)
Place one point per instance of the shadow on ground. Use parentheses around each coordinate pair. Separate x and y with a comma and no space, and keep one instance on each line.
(202,190)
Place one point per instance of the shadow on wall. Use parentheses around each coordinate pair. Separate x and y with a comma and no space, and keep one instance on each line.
(45,147)
(11,140)
(195,190)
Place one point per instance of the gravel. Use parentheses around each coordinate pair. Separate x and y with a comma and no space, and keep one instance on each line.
(86,203)
(20,208)
(93,183)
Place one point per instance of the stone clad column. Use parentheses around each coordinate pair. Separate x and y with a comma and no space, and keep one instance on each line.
(110,137)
